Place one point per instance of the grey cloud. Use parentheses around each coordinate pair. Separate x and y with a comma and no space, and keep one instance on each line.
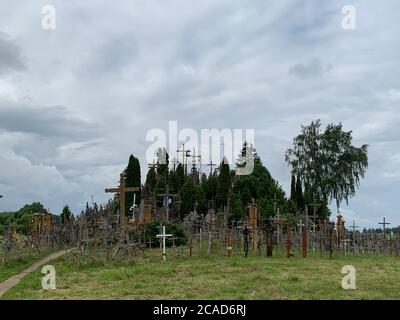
(312,69)
(10,55)
(51,122)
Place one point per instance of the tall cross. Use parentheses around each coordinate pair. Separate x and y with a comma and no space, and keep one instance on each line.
(384,223)
(354,227)
(163,236)
(121,190)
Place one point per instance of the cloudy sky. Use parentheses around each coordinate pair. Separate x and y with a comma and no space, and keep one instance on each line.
(77,100)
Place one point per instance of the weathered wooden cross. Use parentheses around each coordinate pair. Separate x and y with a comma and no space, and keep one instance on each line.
(121,190)
(163,236)
(229,241)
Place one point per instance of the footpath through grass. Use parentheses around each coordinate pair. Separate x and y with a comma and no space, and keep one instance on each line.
(24,260)
(217,277)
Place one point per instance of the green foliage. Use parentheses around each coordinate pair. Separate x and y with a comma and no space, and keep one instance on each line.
(188,197)
(151,179)
(153,228)
(66,215)
(329,166)
(224,185)
(132,180)
(21,219)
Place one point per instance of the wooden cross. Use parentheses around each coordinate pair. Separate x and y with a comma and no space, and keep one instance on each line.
(229,241)
(121,190)
(354,227)
(384,223)
(163,236)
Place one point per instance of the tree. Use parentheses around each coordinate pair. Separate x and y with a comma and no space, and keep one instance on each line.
(151,179)
(329,166)
(188,197)
(299,194)
(66,215)
(132,180)
(224,185)
(293,188)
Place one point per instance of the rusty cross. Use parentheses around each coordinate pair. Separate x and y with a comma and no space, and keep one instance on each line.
(121,190)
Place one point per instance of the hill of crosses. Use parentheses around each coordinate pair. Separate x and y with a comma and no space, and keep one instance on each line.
(190,206)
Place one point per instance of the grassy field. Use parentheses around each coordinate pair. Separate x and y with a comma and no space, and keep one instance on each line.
(216,277)
(25,259)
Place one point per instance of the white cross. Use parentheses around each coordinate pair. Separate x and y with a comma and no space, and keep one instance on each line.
(164,236)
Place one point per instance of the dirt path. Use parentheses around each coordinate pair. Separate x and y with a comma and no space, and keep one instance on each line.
(11,282)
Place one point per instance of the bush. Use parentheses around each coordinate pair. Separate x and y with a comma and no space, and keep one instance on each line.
(153,228)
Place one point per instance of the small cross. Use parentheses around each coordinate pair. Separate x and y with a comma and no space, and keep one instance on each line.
(163,236)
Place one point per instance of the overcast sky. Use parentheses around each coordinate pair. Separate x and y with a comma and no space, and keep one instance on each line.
(76,101)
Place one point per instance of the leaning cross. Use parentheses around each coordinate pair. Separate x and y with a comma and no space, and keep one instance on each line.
(121,190)
(164,236)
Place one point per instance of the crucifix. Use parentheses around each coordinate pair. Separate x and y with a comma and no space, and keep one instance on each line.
(211,165)
(121,190)
(354,227)
(185,154)
(163,236)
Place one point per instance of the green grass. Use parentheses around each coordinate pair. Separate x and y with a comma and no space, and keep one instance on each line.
(217,277)
(24,260)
